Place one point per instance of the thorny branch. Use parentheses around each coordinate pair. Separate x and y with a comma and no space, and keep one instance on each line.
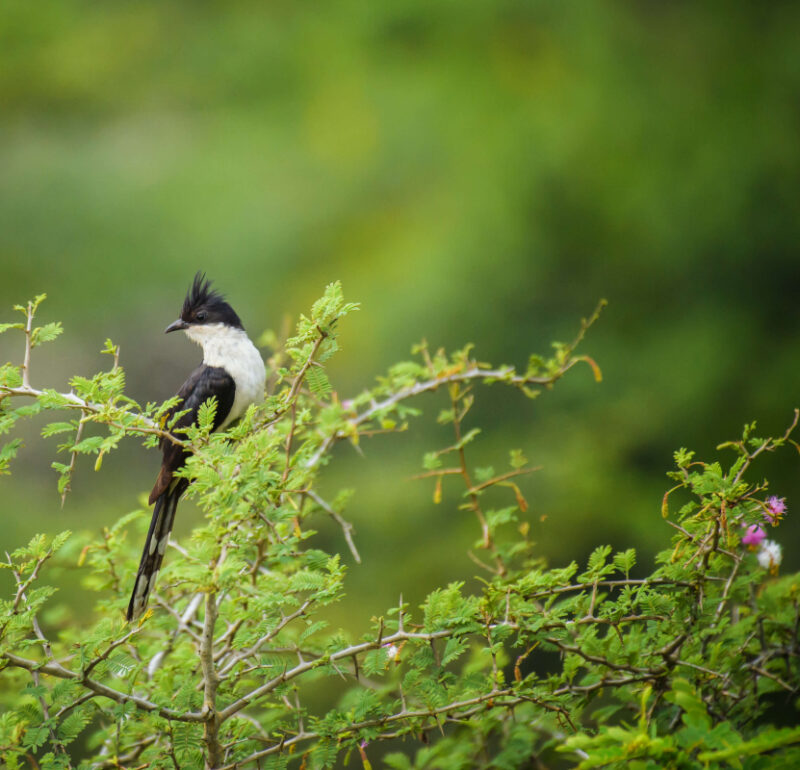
(472,373)
(144,425)
(55,669)
(210,684)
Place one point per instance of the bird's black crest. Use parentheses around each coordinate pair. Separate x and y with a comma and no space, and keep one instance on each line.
(200,293)
(202,297)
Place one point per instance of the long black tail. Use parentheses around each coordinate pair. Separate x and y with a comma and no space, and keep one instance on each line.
(154,547)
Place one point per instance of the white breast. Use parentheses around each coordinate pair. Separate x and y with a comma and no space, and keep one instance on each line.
(232,350)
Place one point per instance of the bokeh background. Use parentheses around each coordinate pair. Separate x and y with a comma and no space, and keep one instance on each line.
(470,171)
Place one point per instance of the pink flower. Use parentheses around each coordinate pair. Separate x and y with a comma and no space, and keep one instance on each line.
(753,536)
(776,507)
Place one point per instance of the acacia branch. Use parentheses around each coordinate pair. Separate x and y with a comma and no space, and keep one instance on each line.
(259,643)
(111,647)
(475,373)
(211,682)
(149,427)
(504,477)
(506,375)
(122,760)
(305,666)
(347,527)
(642,582)
(54,668)
(26,363)
(505,699)
(297,383)
(22,585)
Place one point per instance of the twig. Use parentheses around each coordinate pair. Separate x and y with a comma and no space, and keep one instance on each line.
(72,460)
(149,427)
(26,364)
(506,698)
(301,668)
(347,527)
(54,668)
(259,643)
(475,373)
(504,477)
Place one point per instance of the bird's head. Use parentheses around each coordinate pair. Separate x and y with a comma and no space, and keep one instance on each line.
(204,307)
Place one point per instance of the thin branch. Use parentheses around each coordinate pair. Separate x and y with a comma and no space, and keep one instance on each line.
(436,473)
(26,364)
(72,460)
(22,586)
(259,643)
(148,426)
(575,650)
(54,668)
(609,584)
(301,668)
(475,373)
(472,706)
(122,760)
(297,384)
(347,527)
(504,477)
(111,647)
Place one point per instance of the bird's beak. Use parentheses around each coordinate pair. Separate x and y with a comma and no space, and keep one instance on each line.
(176,326)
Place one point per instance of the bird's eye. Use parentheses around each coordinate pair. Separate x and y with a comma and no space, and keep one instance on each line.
(201,316)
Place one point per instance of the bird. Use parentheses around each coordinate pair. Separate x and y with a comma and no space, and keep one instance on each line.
(233,373)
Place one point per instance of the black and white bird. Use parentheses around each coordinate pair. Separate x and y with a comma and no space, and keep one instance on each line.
(233,373)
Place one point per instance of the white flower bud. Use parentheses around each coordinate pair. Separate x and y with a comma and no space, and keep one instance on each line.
(770,555)
(392,651)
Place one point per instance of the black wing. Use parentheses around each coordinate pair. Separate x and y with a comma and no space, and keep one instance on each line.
(204,382)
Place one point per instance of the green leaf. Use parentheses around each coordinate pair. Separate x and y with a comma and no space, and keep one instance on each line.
(74,724)
(7,453)
(455,647)
(45,333)
(625,560)
(90,445)
(684,695)
(35,737)
(398,761)
(328,347)
(597,567)
(318,382)
(188,742)
(52,399)
(484,474)
(767,741)
(468,438)
(206,413)
(10,375)
(517,459)
(431,461)
(54,428)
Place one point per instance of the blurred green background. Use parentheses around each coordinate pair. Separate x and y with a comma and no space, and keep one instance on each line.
(471,171)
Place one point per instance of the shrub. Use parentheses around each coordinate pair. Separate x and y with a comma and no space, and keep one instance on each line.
(581,665)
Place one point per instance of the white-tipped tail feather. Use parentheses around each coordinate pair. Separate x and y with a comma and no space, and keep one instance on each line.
(154,547)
